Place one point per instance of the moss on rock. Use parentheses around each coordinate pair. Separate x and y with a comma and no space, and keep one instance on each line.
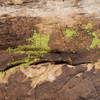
(96,41)
(37,48)
(88,26)
(69,33)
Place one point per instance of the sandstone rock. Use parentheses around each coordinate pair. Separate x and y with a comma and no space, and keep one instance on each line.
(81,90)
(74,50)
(16,29)
(66,85)
(11,38)
(80,48)
(14,1)
(46,75)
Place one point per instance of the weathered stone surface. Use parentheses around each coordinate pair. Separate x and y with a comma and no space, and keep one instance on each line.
(49,81)
(14,1)
(15,30)
(76,49)
(31,76)
(49,17)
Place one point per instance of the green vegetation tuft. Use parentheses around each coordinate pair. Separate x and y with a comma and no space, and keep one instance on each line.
(88,26)
(95,41)
(73,51)
(69,33)
(37,48)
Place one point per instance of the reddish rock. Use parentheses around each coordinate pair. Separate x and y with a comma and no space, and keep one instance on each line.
(14,1)
(15,30)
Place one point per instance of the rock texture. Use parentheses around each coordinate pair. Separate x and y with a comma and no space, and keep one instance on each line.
(18,22)
(79,48)
(11,2)
(62,71)
(49,81)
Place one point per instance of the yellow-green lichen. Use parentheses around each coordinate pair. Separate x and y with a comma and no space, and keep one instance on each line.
(73,51)
(69,33)
(95,41)
(37,48)
(39,44)
(88,26)
(3,73)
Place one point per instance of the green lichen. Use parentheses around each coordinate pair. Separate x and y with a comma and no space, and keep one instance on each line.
(37,48)
(73,51)
(2,74)
(96,41)
(69,33)
(39,44)
(88,26)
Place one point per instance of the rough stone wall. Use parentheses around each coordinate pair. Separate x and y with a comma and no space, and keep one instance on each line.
(18,22)
(49,81)
(54,79)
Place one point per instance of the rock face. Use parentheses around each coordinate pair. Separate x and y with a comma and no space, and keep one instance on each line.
(71,37)
(15,1)
(49,81)
(38,41)
(14,30)
(74,45)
